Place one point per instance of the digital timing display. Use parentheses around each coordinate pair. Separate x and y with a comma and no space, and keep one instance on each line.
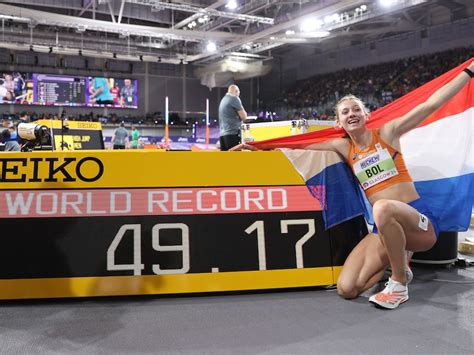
(164,230)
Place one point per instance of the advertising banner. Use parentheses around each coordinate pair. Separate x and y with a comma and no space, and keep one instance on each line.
(127,223)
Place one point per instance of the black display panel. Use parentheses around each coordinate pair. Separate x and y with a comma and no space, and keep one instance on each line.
(149,245)
(59,90)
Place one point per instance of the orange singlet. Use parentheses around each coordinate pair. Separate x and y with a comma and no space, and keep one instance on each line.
(378,166)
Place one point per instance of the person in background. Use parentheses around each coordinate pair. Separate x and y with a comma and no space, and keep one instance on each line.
(9,85)
(115,92)
(126,93)
(100,92)
(231,114)
(120,138)
(135,137)
(5,95)
(7,123)
(24,118)
(8,136)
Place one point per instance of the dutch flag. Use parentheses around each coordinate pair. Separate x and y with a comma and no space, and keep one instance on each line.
(439,155)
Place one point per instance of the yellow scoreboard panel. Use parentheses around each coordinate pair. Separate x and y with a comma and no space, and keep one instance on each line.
(103,223)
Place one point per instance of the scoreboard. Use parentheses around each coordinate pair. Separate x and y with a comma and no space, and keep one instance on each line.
(91,223)
(59,90)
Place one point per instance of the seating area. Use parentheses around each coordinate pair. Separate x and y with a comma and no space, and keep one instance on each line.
(377,84)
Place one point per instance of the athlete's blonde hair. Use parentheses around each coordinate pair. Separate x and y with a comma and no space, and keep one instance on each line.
(350,97)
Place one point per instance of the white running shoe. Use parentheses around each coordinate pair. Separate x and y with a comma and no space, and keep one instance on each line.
(392,295)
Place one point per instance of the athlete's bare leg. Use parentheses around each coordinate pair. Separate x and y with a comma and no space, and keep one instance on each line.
(364,267)
(399,230)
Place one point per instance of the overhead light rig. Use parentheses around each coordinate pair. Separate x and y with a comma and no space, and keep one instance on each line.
(160,5)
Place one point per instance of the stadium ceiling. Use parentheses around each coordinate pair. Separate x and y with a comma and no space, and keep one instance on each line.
(178,31)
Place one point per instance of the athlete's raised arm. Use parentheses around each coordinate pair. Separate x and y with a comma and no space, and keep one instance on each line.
(393,130)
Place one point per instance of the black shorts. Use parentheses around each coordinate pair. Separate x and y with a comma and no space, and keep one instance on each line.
(229,141)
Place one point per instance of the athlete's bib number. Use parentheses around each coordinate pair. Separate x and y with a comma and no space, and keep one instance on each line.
(375,168)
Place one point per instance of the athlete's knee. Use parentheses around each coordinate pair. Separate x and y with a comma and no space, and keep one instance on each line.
(383,211)
(347,290)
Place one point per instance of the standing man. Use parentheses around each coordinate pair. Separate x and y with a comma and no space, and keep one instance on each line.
(231,113)
(127,93)
(135,137)
(120,138)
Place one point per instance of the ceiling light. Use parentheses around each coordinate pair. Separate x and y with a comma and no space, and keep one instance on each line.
(231,5)
(386,3)
(310,25)
(192,24)
(211,47)
(290,32)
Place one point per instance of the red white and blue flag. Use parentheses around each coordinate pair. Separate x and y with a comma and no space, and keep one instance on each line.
(439,155)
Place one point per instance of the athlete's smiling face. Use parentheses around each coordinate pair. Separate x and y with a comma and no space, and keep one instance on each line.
(351,115)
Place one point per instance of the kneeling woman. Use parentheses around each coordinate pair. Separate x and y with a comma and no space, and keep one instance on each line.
(403,221)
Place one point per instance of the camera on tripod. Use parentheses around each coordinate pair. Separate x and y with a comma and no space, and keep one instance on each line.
(35,136)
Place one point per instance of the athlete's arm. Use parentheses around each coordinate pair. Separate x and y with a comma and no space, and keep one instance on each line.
(338,145)
(393,130)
